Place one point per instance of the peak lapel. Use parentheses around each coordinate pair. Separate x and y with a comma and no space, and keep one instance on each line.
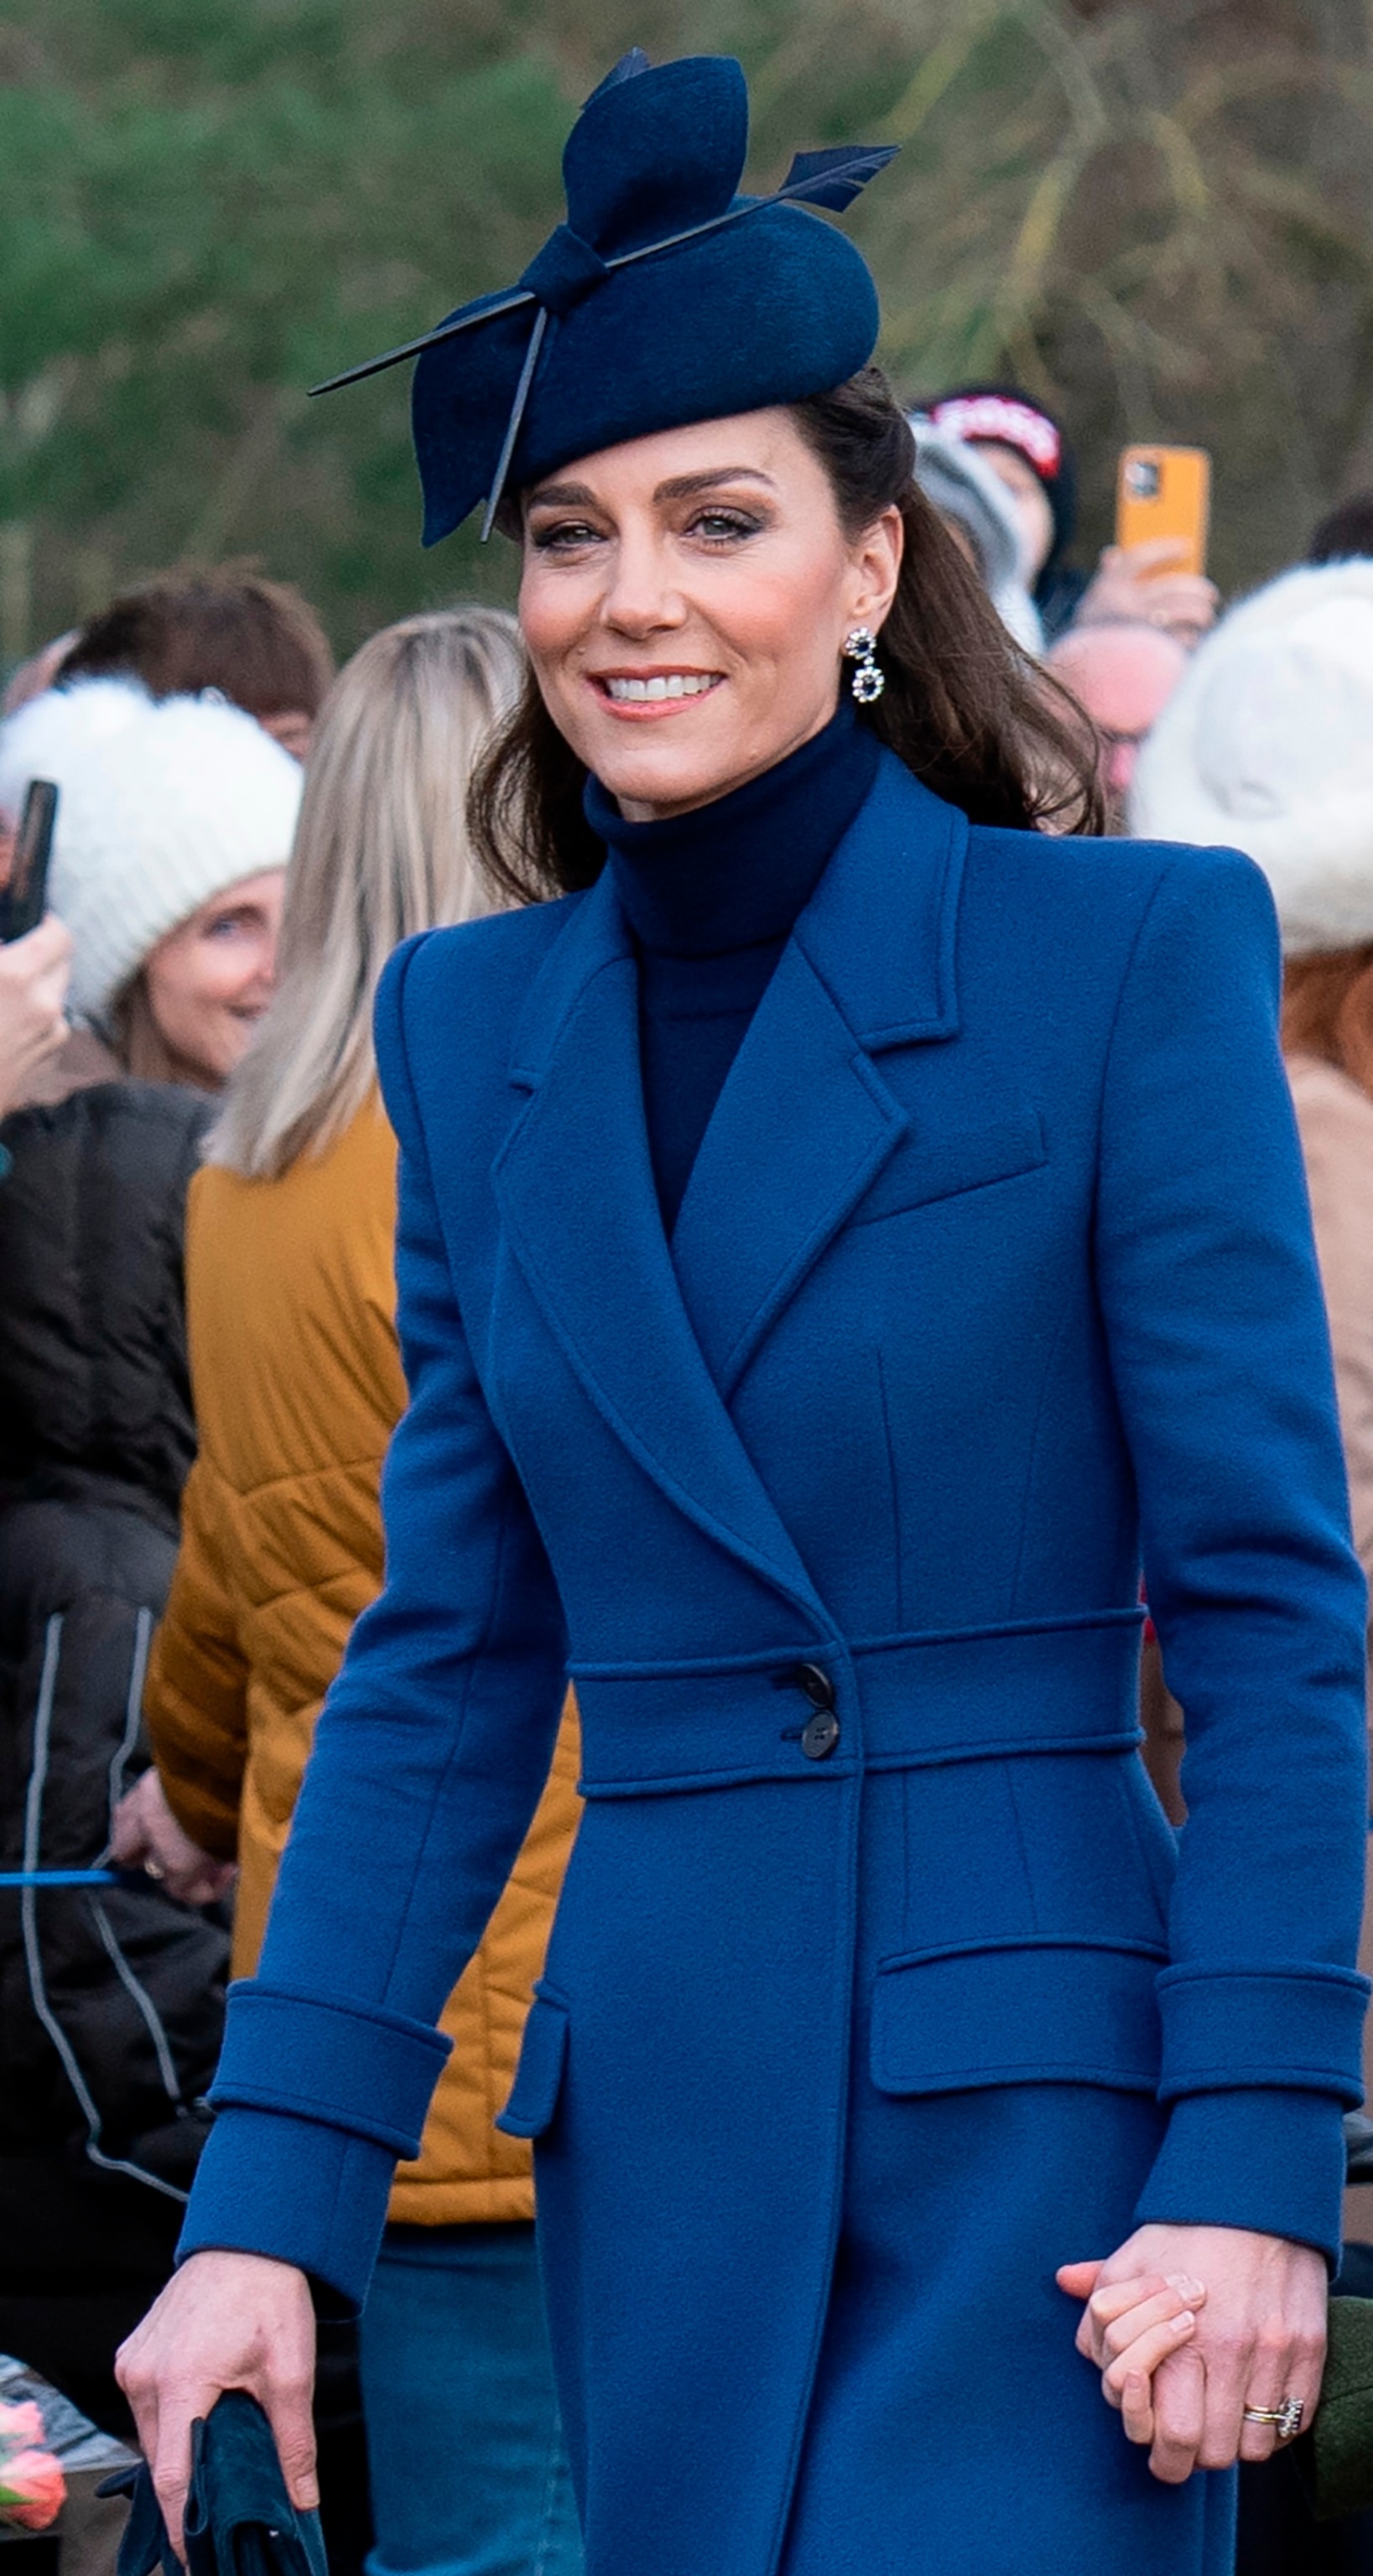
(805,1121)
(576,1189)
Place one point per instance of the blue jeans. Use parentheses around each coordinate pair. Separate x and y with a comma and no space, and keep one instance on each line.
(469,2472)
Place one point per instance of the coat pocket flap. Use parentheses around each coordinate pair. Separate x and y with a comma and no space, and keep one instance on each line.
(942,1166)
(539,2074)
(1038,2012)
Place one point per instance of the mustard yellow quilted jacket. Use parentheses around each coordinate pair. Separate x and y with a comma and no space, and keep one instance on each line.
(298,1385)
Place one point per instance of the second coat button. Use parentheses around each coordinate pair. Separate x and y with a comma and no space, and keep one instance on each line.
(819,1735)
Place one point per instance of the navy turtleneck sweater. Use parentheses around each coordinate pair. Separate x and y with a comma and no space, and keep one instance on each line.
(711,898)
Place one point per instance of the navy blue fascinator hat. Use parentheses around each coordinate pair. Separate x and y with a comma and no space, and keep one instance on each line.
(666,297)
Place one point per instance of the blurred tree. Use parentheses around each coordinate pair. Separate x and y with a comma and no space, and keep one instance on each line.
(1159,217)
(203,209)
(1155,212)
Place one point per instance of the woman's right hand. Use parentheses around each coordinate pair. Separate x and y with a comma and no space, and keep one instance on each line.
(1147,585)
(224,2320)
(33,988)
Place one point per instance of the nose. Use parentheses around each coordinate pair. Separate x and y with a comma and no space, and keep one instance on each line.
(642,597)
(262,979)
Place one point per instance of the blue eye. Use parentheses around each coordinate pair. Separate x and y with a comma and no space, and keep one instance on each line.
(563,536)
(720,526)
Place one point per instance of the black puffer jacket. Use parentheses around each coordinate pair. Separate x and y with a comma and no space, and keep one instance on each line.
(110,2002)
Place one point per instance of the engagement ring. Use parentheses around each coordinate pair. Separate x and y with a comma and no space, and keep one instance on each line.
(1285,2419)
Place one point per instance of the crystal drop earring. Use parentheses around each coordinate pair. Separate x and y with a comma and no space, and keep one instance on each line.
(869,680)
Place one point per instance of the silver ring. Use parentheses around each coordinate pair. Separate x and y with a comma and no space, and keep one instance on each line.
(1285,2419)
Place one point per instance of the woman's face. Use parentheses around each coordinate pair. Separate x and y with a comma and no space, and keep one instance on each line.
(685,600)
(210,980)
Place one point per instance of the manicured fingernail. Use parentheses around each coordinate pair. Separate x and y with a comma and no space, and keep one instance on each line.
(1185,2286)
(1182,2324)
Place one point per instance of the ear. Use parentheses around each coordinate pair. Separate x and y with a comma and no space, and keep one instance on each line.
(875,569)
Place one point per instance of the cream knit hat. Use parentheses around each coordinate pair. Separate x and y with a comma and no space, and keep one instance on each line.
(1267,744)
(162,804)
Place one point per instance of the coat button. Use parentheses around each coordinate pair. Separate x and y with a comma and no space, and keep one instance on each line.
(819,1735)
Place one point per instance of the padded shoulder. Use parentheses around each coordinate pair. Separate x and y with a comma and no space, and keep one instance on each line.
(1109,869)
(478,964)
(1106,888)
(449,1001)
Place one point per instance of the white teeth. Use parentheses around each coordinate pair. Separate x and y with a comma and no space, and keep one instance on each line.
(664,684)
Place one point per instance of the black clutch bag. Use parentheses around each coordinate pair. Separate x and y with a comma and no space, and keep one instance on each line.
(239,2519)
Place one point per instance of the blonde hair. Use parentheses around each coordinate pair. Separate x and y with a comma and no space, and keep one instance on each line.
(381,850)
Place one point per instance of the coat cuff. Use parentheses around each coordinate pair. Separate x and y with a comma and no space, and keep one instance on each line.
(1271,2161)
(1231,2028)
(304,2194)
(366,2071)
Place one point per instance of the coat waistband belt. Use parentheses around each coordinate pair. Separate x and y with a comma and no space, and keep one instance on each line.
(900,1703)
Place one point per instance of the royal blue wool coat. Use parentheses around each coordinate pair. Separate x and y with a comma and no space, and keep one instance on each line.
(879,1985)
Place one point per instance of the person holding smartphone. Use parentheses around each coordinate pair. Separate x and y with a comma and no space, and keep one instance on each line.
(35,952)
(1141,579)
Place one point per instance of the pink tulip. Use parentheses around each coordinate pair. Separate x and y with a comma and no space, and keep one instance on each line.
(21,2427)
(32,2490)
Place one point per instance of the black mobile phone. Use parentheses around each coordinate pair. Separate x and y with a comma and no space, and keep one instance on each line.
(24,899)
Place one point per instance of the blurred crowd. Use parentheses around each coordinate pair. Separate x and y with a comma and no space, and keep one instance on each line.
(199,1372)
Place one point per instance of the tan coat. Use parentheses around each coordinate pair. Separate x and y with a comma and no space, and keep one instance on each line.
(1335,1117)
(298,1386)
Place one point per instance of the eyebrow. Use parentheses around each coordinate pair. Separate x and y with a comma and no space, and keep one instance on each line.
(680,487)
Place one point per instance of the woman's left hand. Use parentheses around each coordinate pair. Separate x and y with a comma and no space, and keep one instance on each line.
(1258,2340)
(147,1836)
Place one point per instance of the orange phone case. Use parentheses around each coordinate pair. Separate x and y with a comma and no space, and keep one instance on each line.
(1165,492)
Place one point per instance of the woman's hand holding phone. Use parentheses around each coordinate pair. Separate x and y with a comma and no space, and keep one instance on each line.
(1148,585)
(33,988)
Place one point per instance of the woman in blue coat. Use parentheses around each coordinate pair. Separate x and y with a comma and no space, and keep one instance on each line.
(839,1237)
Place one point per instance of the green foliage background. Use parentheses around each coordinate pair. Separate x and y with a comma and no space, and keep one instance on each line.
(1158,215)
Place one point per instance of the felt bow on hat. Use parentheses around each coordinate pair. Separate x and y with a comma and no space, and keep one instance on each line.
(666,297)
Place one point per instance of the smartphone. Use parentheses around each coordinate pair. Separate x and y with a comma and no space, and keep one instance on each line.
(24,899)
(1165,492)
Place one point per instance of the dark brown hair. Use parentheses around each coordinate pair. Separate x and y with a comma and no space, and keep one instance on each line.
(964,708)
(257,641)
(1327,1010)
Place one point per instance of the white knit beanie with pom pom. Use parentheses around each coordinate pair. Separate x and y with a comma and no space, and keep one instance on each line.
(1267,745)
(162,805)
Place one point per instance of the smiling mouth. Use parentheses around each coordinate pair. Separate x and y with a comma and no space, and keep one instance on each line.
(656,688)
